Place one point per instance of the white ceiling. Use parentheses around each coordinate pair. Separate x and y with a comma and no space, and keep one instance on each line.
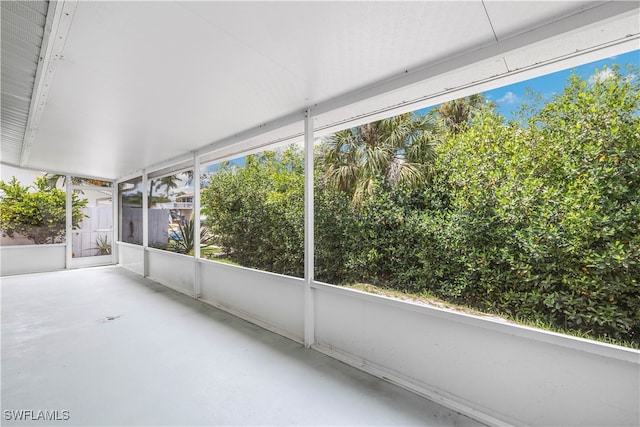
(139,83)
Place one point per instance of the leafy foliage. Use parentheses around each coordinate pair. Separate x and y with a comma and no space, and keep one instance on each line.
(58,180)
(542,221)
(168,182)
(183,241)
(37,211)
(103,245)
(456,115)
(398,150)
(256,212)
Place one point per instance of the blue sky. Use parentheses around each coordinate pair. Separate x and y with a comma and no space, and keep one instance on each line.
(509,98)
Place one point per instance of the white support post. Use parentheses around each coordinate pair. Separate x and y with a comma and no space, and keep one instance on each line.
(196,225)
(145,222)
(115,205)
(309,333)
(69,223)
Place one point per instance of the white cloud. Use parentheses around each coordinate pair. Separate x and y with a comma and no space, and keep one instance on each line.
(601,76)
(509,98)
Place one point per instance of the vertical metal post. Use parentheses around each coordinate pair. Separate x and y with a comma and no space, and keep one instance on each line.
(196,225)
(68,223)
(115,205)
(309,333)
(145,222)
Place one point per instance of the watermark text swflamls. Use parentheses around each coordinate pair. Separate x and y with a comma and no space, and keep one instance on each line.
(36,415)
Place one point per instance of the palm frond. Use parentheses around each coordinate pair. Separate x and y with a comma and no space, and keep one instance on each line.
(183,241)
(395,150)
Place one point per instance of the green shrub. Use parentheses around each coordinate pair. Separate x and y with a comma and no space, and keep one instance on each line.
(543,219)
(256,212)
(37,211)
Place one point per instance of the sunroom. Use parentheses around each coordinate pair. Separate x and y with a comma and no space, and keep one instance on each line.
(133,108)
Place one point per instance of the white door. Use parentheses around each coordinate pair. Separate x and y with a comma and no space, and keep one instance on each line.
(92,233)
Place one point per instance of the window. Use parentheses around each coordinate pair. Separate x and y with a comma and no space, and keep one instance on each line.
(130,197)
(252,211)
(529,214)
(33,207)
(171,212)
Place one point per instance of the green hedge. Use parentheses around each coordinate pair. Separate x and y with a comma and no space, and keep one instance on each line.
(256,212)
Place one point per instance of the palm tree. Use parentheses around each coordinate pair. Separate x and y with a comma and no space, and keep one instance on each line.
(395,150)
(169,182)
(189,176)
(457,114)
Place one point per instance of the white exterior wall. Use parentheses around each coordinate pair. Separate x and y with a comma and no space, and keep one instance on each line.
(32,258)
(493,371)
(176,271)
(131,257)
(270,300)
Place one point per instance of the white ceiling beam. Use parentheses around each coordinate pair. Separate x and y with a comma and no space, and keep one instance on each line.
(59,18)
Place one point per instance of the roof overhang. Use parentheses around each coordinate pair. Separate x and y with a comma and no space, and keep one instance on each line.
(127,86)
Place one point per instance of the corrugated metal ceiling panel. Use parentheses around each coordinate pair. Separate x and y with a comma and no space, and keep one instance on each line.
(23,24)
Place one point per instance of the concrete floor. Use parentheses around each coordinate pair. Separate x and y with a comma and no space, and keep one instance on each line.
(112,348)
